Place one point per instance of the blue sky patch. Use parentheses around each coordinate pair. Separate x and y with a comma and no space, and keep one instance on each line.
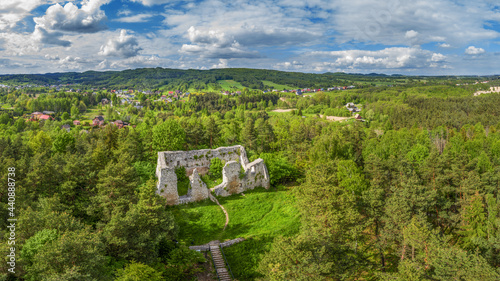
(432,37)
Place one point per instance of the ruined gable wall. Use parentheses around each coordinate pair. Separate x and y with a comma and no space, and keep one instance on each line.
(167,185)
(255,175)
(198,190)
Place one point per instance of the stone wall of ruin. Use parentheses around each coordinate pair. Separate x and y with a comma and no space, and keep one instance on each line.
(234,182)
(198,162)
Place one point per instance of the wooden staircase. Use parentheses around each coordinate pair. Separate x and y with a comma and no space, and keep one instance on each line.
(219,262)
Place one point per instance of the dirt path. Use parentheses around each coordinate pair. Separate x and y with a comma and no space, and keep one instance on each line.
(283,110)
(335,118)
(224,210)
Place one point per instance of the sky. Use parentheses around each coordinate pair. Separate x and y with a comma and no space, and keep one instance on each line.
(412,37)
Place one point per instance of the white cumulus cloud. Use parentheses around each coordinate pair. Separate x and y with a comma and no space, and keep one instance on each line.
(411,34)
(388,59)
(393,22)
(471,50)
(215,44)
(136,18)
(69,18)
(51,38)
(125,45)
(152,2)
(222,64)
(13,11)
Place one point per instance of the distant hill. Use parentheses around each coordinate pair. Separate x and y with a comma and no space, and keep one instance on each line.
(186,80)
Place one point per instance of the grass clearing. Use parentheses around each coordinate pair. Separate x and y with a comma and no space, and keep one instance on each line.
(276,86)
(275,113)
(244,257)
(258,216)
(259,212)
(228,85)
(199,223)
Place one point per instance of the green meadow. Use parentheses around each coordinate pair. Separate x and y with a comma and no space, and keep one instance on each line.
(276,86)
(258,216)
(228,85)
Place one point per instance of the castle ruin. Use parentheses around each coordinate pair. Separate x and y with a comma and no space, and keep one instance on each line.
(238,174)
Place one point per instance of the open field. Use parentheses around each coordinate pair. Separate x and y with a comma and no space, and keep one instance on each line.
(258,212)
(258,216)
(228,85)
(276,86)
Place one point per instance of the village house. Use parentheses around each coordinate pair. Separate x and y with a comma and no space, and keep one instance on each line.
(98,121)
(36,115)
(76,122)
(352,107)
(120,124)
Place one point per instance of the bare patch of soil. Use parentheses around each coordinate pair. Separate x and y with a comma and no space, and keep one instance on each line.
(335,118)
(283,110)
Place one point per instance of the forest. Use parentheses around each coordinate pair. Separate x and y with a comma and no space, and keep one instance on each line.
(409,191)
(176,79)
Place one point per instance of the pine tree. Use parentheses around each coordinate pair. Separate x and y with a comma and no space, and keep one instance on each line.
(248,134)
(115,189)
(212,131)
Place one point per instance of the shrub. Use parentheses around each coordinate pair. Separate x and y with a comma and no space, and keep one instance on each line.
(280,170)
(216,166)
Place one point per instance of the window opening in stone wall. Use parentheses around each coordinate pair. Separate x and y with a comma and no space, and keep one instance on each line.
(182,181)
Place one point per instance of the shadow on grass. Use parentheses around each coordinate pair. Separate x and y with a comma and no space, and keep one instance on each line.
(244,257)
(259,212)
(259,216)
(199,223)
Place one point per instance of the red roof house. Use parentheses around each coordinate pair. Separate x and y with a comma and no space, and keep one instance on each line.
(36,115)
(98,121)
(119,123)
